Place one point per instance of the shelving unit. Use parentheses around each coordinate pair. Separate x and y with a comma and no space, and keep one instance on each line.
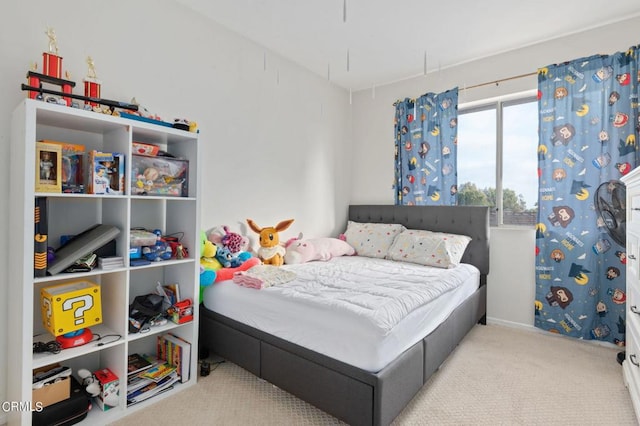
(69,214)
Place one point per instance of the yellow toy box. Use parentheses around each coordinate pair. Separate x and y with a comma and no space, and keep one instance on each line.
(70,306)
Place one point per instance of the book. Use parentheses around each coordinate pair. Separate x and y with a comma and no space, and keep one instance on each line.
(152,389)
(137,363)
(177,352)
(40,238)
(111,262)
(172,291)
(136,382)
(158,372)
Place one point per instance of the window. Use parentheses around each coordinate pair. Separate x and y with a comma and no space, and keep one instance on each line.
(497,160)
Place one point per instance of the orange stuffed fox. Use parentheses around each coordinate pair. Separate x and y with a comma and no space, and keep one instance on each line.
(270,251)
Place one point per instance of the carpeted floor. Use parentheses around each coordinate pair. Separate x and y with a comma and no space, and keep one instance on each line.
(497,376)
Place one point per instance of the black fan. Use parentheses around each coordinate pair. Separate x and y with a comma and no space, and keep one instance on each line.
(610,202)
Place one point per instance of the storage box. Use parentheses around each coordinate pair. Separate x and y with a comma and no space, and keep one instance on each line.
(159,176)
(55,392)
(109,389)
(106,173)
(145,149)
(70,306)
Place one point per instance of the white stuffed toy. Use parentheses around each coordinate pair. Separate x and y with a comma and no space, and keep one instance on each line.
(301,251)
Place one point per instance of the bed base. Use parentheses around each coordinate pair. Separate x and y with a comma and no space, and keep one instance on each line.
(353,395)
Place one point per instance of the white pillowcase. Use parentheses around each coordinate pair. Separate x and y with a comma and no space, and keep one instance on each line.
(428,248)
(372,239)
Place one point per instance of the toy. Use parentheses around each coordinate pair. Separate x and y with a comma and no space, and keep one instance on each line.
(222,236)
(226,258)
(301,251)
(208,262)
(270,251)
(158,251)
(159,176)
(109,386)
(234,241)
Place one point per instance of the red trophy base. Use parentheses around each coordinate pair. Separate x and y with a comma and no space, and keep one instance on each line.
(91,90)
(75,338)
(51,65)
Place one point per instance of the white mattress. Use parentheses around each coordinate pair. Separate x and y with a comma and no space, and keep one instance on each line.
(344,334)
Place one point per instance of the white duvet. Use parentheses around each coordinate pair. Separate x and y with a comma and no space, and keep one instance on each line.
(378,290)
(361,311)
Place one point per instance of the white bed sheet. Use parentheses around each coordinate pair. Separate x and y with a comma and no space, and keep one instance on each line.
(339,334)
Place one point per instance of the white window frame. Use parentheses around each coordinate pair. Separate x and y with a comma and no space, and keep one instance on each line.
(498,105)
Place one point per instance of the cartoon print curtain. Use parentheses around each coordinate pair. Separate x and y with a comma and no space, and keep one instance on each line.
(588,128)
(426,132)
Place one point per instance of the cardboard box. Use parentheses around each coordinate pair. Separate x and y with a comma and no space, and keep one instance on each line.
(109,389)
(163,176)
(142,148)
(106,173)
(70,306)
(55,392)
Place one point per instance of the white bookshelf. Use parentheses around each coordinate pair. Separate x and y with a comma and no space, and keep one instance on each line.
(72,213)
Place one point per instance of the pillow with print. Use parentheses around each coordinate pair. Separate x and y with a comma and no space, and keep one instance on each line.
(372,239)
(438,249)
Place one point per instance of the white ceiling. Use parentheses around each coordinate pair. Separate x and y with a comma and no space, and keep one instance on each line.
(378,42)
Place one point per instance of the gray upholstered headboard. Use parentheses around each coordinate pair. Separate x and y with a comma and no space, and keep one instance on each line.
(465,220)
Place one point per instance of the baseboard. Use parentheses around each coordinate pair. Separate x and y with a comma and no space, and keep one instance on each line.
(531,328)
(511,324)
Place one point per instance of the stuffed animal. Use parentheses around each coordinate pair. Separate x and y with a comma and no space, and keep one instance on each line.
(270,251)
(228,259)
(212,271)
(301,251)
(233,241)
(208,263)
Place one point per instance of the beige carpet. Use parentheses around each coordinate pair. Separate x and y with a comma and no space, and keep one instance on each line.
(497,376)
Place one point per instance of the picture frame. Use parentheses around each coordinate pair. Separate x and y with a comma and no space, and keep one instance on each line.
(48,167)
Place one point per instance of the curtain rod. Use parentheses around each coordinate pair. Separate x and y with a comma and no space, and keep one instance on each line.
(497,82)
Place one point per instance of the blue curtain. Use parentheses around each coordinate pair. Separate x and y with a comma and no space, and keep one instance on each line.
(588,128)
(426,132)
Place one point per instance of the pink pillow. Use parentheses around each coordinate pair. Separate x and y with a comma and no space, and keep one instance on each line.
(301,251)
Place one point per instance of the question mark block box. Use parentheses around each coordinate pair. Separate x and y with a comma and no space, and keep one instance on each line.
(70,306)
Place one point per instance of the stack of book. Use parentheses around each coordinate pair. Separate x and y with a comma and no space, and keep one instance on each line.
(111,262)
(177,353)
(148,377)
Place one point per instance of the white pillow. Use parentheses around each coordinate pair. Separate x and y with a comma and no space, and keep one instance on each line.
(428,248)
(372,239)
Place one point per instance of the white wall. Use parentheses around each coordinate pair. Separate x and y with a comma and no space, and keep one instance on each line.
(273,141)
(511,290)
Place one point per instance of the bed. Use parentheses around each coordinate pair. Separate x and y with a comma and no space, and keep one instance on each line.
(361,390)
